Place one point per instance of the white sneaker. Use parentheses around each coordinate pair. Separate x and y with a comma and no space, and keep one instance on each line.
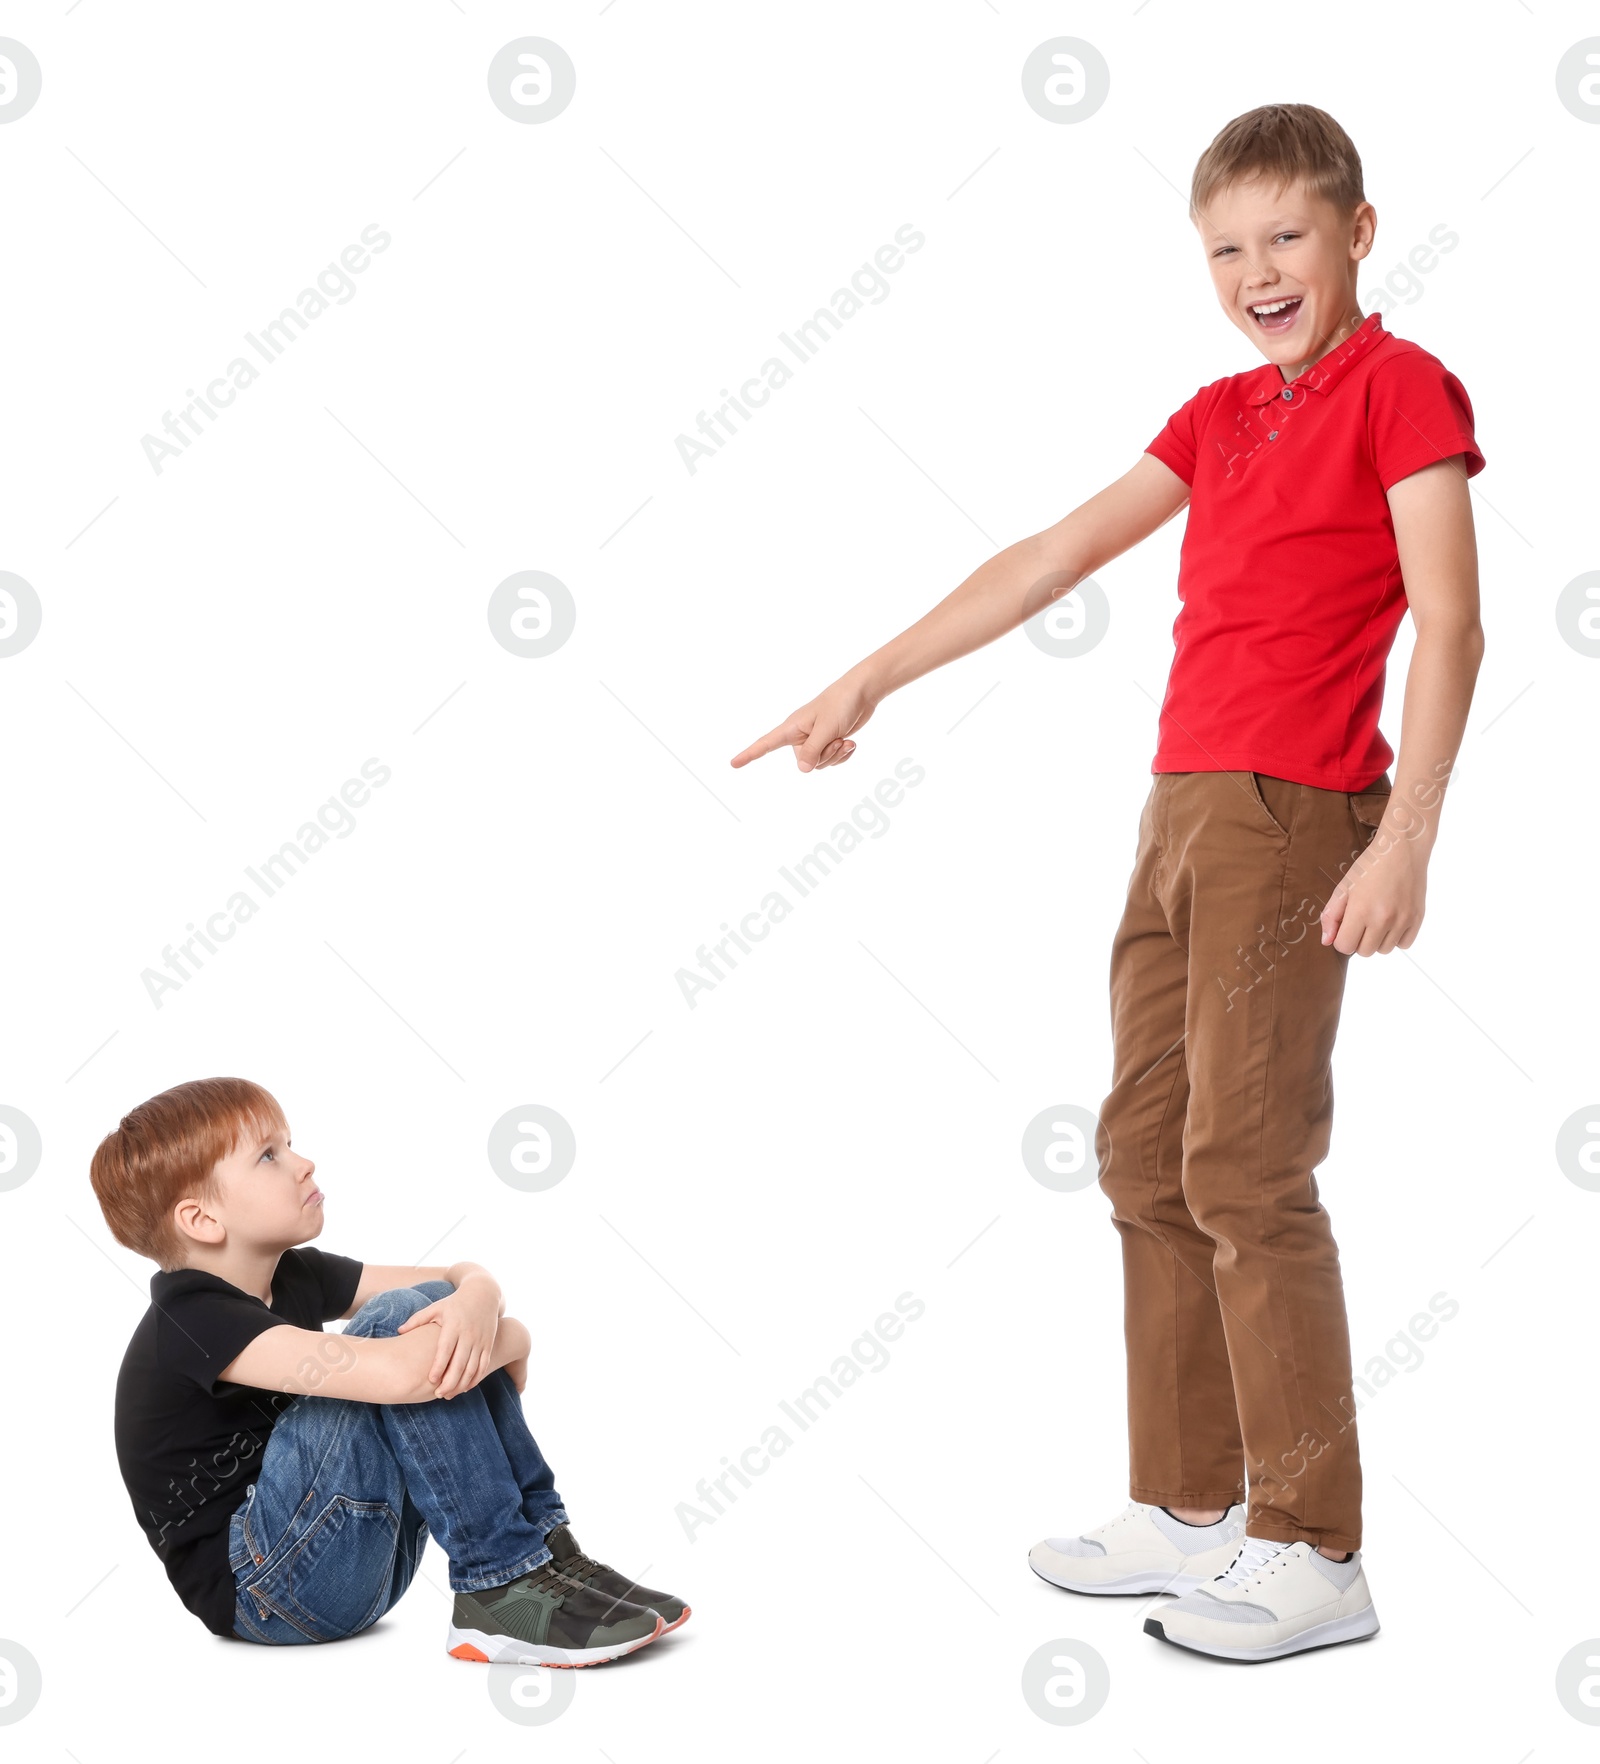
(1143,1550)
(1275,1599)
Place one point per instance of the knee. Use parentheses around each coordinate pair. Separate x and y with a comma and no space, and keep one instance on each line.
(1216,1205)
(1120,1156)
(384,1312)
(1123,1179)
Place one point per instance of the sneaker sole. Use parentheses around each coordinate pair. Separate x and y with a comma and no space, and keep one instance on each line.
(688,1612)
(1147,1582)
(506,1650)
(1360,1626)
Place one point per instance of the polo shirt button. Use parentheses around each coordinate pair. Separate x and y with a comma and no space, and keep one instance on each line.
(1273,436)
(1288,392)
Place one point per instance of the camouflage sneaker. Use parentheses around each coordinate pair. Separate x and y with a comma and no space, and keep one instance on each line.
(544,1619)
(575,1565)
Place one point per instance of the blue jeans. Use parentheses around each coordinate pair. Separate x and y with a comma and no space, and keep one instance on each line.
(330,1533)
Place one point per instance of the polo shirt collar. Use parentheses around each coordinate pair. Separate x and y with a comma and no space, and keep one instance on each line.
(1326,372)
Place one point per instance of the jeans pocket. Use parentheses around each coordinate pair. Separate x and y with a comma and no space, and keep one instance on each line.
(238,1542)
(333,1579)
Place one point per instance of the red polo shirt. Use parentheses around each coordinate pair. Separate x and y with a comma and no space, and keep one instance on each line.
(1289,576)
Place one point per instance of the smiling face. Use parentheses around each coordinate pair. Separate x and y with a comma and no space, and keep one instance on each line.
(266,1198)
(1283,261)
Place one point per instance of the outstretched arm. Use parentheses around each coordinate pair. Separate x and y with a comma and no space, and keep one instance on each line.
(997,597)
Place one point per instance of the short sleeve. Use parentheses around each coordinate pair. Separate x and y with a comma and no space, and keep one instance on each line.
(1176,446)
(203,1330)
(337,1276)
(1418,413)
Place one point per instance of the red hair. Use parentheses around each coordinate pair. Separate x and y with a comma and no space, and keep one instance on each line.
(167,1150)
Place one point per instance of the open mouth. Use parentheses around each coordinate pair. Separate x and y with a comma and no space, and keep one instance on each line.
(1276,315)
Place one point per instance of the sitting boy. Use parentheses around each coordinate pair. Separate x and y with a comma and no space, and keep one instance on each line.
(287,1478)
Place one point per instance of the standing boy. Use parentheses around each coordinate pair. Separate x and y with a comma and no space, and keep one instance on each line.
(1327,492)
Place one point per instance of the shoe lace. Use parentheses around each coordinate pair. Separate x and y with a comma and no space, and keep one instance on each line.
(581,1567)
(1128,1512)
(548,1579)
(1256,1554)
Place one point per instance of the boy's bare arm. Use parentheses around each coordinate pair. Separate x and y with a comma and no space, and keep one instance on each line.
(360,1368)
(1024,578)
(379,1277)
(1434,535)
(997,597)
(1378,905)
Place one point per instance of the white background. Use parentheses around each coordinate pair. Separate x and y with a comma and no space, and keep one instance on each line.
(839,1122)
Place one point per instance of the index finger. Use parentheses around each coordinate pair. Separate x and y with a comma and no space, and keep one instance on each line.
(787,734)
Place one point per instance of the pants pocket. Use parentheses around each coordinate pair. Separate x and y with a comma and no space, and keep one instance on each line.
(332,1579)
(1278,799)
(238,1544)
(1367,810)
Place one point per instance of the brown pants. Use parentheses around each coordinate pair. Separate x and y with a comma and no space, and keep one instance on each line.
(1224,1006)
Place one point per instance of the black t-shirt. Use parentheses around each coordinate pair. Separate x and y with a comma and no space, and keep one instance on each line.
(187,1447)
